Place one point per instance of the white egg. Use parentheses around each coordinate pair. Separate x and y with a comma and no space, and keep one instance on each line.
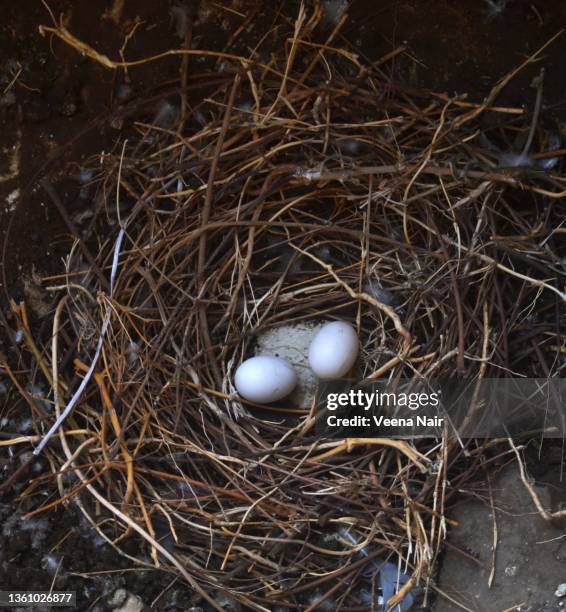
(265,379)
(333,350)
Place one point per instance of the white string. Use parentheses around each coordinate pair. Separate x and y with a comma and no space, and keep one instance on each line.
(90,371)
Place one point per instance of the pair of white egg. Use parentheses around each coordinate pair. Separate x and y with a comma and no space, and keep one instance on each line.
(332,353)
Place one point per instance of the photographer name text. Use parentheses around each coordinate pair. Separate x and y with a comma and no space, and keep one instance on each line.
(359,420)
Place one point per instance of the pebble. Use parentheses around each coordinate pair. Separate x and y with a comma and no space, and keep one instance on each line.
(132,604)
(118,598)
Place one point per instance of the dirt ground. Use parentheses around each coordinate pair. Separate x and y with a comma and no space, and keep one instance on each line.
(530,556)
(57,107)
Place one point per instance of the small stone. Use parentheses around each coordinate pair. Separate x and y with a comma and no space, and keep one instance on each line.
(118,598)
(132,604)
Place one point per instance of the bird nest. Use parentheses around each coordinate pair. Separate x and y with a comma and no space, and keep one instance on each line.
(306,187)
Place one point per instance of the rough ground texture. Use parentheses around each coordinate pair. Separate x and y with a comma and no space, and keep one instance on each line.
(529,556)
(56,106)
(61,549)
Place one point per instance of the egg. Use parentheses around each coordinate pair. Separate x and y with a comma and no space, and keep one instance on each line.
(264,379)
(333,350)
